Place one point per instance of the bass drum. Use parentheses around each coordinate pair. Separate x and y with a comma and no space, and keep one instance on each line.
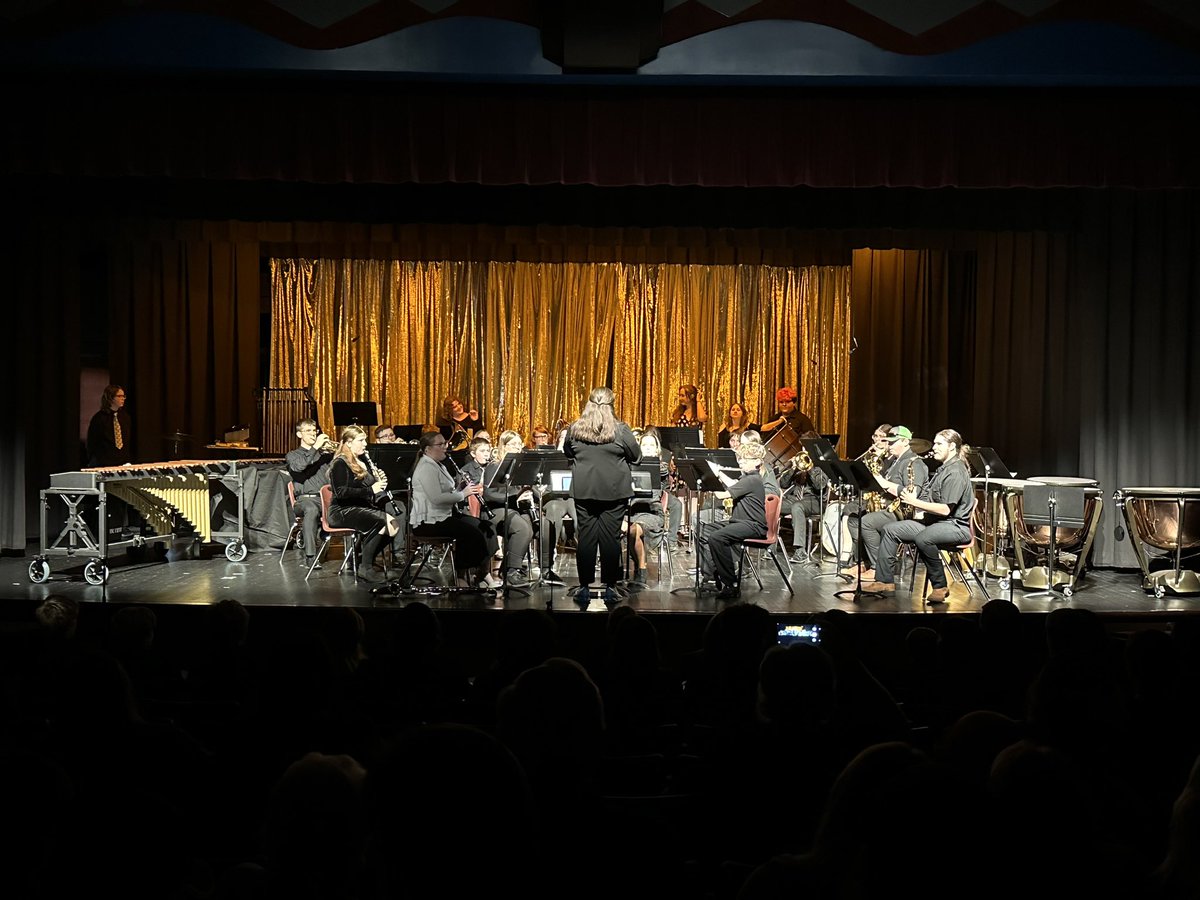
(835,532)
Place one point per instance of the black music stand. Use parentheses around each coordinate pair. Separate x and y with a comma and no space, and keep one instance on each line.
(359,413)
(408,433)
(856,473)
(676,439)
(531,469)
(1058,507)
(647,484)
(694,470)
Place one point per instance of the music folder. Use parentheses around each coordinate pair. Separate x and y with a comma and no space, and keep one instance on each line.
(647,479)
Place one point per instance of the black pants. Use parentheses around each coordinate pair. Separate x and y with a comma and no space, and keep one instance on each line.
(599,528)
(718,544)
(470,545)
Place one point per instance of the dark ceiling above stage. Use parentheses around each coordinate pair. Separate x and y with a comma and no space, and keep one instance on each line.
(996,42)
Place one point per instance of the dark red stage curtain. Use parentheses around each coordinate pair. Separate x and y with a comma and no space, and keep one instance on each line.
(367,133)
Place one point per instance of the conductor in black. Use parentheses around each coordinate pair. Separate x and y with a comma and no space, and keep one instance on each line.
(601,448)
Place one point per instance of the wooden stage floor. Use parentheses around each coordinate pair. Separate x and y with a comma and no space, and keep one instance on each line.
(262,580)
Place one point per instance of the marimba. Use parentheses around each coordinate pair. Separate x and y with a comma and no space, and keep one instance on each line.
(173,497)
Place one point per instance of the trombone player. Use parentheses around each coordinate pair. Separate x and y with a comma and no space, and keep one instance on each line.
(806,488)
(905,469)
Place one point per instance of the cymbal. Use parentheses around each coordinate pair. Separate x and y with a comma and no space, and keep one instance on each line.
(920,446)
(177,436)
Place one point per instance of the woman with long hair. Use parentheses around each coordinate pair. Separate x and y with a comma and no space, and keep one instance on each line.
(689,411)
(435,500)
(600,447)
(737,420)
(358,492)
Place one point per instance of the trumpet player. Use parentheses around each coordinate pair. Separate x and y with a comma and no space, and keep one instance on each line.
(807,498)
(904,469)
(308,465)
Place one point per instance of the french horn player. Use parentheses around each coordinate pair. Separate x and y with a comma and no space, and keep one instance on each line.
(903,469)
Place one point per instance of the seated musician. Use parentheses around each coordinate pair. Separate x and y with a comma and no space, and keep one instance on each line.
(905,469)
(805,488)
(942,518)
(645,514)
(716,541)
(308,465)
(503,515)
(541,437)
(357,493)
(435,502)
(737,420)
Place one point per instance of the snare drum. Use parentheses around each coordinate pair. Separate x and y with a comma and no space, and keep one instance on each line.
(1167,521)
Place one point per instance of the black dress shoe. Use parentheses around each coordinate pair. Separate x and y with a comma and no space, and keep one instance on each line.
(308,563)
(516,578)
(728,593)
(372,575)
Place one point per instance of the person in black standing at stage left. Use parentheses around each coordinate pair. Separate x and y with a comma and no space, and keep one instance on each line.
(357,495)
(601,447)
(110,432)
(308,465)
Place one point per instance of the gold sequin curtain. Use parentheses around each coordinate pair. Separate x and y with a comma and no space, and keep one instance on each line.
(525,342)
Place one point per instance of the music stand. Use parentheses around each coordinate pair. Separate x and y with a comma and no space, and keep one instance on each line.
(408,433)
(531,469)
(677,439)
(856,473)
(986,462)
(831,439)
(359,413)
(694,470)
(1056,506)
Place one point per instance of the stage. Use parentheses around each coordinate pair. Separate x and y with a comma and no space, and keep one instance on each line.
(264,579)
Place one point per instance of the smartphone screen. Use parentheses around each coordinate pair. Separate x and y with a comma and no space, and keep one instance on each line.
(790,634)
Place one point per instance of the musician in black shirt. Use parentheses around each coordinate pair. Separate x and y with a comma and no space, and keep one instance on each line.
(110,431)
(717,540)
(308,465)
(942,518)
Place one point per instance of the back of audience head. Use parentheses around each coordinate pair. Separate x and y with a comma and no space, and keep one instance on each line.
(797,685)
(58,616)
(436,782)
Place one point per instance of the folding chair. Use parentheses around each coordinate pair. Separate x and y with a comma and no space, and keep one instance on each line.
(350,538)
(770,543)
(297,522)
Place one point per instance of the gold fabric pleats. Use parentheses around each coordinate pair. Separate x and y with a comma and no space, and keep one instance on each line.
(524,342)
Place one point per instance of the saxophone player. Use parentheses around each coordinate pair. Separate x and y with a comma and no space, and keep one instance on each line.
(905,469)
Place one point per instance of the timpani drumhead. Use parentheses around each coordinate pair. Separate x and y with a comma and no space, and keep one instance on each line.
(1065,481)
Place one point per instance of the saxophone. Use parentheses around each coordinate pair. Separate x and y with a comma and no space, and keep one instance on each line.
(898,507)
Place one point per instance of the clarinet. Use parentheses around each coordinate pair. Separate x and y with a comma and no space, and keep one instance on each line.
(386,496)
(465,506)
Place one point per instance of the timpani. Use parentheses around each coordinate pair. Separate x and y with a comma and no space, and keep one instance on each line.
(1163,524)
(1072,544)
(992,522)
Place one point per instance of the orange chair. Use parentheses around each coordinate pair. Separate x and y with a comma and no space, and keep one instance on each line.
(771,544)
(350,538)
(297,521)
